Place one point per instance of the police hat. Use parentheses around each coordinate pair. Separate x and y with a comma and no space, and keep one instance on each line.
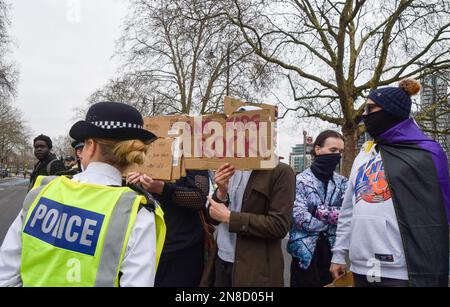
(69,158)
(112,120)
(77,144)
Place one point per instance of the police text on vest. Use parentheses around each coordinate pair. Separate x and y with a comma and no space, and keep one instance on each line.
(65,226)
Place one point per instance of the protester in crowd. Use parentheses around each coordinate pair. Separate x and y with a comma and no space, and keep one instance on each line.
(78,147)
(48,164)
(89,230)
(394,220)
(182,262)
(75,167)
(69,162)
(253,210)
(319,194)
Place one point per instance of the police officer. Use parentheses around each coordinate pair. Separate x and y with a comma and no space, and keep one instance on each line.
(77,167)
(89,231)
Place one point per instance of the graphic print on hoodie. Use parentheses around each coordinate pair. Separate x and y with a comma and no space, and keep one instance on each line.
(371,183)
(375,245)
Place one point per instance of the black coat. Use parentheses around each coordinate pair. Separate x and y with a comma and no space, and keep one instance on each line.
(41,168)
(417,172)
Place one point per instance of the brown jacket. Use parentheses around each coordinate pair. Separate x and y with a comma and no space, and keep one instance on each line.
(263,222)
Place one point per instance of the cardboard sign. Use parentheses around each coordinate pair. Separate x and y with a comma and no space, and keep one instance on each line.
(161,125)
(246,139)
(231,105)
(343,281)
(158,161)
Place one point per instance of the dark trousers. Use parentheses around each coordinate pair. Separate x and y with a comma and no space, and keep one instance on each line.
(223,273)
(317,274)
(182,268)
(361,281)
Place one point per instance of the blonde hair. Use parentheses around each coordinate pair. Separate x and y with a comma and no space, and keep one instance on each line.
(122,153)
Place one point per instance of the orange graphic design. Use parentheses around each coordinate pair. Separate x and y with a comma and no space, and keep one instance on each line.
(371,184)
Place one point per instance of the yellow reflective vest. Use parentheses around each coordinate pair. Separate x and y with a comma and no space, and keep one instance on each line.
(76,234)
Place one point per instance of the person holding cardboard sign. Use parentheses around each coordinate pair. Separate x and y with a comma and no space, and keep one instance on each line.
(181,262)
(253,212)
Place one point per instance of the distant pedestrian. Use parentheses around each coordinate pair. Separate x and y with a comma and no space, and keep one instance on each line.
(76,166)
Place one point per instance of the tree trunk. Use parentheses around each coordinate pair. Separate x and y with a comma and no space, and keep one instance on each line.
(350,151)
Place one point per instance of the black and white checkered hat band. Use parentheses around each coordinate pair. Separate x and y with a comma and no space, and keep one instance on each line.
(115,125)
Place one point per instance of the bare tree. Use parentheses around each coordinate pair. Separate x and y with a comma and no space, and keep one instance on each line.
(62,147)
(131,90)
(434,107)
(176,60)
(13,132)
(334,52)
(21,158)
(433,114)
(8,72)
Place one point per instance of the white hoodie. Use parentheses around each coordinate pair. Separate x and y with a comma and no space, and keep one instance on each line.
(368,231)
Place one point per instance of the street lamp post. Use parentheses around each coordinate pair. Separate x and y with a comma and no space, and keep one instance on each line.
(304,150)
(211,56)
(228,70)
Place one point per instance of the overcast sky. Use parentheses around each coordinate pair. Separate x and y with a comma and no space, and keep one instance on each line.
(64,53)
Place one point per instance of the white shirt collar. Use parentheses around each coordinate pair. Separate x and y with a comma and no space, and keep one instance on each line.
(100,173)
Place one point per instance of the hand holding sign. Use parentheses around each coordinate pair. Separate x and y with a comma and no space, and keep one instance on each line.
(152,186)
(337,270)
(219,211)
(222,179)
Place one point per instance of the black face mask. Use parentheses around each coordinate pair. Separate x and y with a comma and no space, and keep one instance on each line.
(379,122)
(324,166)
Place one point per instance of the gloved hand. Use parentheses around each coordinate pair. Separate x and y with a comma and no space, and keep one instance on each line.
(328,215)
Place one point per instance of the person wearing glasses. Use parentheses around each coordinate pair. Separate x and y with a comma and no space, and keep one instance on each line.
(393,224)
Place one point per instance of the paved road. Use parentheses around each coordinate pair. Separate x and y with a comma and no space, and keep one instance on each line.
(12,194)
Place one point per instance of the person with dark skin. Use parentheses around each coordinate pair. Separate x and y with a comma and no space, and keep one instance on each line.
(48,164)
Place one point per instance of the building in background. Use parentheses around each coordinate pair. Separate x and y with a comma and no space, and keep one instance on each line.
(435,92)
(365,137)
(296,158)
(300,158)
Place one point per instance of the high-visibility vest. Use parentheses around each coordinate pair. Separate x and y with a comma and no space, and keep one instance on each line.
(76,234)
